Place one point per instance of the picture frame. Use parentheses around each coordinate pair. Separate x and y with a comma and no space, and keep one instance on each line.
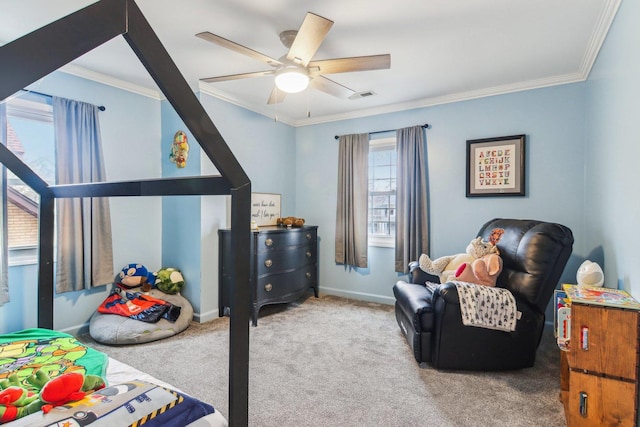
(265,208)
(496,166)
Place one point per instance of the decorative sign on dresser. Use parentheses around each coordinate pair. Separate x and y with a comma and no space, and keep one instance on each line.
(284,265)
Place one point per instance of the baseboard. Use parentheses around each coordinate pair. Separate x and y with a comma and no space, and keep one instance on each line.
(206,317)
(362,296)
(77,329)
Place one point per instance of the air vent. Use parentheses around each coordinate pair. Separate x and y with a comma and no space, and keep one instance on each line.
(363,94)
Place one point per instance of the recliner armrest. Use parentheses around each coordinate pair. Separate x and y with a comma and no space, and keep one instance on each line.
(416,275)
(448,292)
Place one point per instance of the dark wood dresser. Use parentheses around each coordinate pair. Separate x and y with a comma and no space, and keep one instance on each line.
(284,265)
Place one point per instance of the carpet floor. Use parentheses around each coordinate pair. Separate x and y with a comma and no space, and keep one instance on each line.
(332,361)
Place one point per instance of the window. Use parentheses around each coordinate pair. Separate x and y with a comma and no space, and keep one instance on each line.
(382,192)
(30,136)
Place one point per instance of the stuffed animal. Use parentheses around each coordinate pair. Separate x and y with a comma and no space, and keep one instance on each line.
(290,221)
(169,280)
(45,393)
(179,149)
(483,271)
(445,267)
(136,275)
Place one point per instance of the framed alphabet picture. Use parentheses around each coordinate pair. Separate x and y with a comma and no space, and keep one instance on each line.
(265,208)
(496,166)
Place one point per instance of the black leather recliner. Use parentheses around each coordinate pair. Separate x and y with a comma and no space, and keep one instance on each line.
(534,255)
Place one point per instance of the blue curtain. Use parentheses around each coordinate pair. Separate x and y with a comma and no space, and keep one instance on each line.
(84,254)
(4,248)
(412,238)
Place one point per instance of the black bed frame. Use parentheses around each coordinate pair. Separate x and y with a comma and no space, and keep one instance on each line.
(45,50)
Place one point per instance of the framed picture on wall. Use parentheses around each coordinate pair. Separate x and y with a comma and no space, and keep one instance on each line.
(496,166)
(265,208)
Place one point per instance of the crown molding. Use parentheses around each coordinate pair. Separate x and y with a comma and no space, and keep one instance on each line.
(393,108)
(605,20)
(95,76)
(448,99)
(607,14)
(264,111)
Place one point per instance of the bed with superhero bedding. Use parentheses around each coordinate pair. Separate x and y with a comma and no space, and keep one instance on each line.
(48,378)
(51,47)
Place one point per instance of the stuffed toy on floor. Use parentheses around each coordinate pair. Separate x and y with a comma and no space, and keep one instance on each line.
(445,267)
(169,280)
(136,275)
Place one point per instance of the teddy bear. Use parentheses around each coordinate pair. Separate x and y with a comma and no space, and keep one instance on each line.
(483,271)
(290,221)
(445,267)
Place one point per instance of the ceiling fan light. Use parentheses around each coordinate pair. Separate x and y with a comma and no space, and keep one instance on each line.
(292,80)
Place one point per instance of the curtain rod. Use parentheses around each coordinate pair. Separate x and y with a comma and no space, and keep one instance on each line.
(426,126)
(101,107)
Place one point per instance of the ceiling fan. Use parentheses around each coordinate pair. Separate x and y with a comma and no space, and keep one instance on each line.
(295,70)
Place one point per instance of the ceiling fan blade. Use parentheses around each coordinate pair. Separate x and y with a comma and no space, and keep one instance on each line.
(345,65)
(221,41)
(312,32)
(236,76)
(277,96)
(332,88)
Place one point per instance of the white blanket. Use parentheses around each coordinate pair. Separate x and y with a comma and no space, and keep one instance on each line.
(487,307)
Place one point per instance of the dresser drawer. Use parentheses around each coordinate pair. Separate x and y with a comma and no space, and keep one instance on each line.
(276,286)
(286,259)
(596,346)
(597,401)
(286,238)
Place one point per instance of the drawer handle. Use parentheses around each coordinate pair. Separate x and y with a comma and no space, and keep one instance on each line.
(583,404)
(268,263)
(308,275)
(308,236)
(308,254)
(584,338)
(268,287)
(268,242)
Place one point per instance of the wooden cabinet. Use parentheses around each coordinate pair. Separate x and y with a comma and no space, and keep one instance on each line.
(599,377)
(284,265)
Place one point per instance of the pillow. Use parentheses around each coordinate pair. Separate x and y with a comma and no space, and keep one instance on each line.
(115,329)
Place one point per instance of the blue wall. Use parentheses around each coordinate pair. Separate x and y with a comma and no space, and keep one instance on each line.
(181,214)
(265,149)
(612,206)
(552,119)
(581,171)
(130,129)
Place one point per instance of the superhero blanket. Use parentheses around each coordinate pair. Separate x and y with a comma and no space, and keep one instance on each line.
(30,360)
(138,306)
(26,352)
(134,402)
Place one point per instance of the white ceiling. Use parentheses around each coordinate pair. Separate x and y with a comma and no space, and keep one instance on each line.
(441,50)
